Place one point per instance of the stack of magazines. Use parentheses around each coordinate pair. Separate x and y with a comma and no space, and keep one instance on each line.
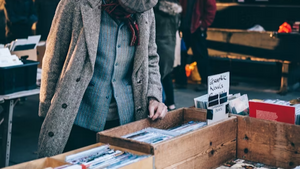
(154,136)
(100,158)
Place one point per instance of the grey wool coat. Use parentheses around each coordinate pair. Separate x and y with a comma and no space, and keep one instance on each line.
(69,64)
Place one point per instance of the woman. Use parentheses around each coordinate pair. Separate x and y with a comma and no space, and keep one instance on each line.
(100,70)
(167,23)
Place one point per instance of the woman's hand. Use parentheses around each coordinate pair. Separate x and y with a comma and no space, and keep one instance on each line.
(157,110)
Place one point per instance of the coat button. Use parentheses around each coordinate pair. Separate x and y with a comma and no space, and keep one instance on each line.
(78,79)
(139,81)
(139,109)
(50,134)
(64,106)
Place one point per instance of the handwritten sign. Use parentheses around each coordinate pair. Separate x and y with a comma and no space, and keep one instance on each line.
(218,84)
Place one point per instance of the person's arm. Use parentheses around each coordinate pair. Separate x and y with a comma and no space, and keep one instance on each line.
(156,108)
(57,47)
(209,14)
(11,15)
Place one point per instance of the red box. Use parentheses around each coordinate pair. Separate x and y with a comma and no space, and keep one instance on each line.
(274,112)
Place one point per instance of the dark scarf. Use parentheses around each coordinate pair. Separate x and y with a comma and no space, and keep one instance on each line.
(113,8)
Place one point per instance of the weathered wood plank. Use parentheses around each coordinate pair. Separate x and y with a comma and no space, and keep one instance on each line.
(211,158)
(268,142)
(189,145)
(125,143)
(194,114)
(38,164)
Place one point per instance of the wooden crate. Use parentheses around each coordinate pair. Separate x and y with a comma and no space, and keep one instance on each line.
(58,160)
(272,143)
(38,164)
(146,163)
(209,146)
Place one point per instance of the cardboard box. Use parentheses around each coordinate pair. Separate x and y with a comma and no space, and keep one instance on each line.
(146,163)
(41,48)
(38,164)
(32,55)
(181,150)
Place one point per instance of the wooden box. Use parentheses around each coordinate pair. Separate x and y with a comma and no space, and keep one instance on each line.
(146,163)
(268,142)
(59,160)
(271,143)
(38,164)
(199,146)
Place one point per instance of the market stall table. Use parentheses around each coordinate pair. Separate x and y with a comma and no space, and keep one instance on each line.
(9,101)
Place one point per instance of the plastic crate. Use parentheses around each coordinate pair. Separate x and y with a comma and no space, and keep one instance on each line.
(18,78)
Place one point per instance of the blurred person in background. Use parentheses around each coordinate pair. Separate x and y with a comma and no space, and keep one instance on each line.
(167,16)
(45,11)
(20,16)
(197,16)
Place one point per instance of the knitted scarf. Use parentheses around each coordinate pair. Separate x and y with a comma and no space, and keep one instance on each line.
(113,8)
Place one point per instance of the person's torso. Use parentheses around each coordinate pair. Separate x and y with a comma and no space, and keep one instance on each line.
(111,78)
(21,8)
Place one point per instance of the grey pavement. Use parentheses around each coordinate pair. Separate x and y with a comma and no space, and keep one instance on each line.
(26,123)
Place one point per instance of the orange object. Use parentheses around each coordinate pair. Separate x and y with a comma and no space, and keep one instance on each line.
(189,68)
(285,28)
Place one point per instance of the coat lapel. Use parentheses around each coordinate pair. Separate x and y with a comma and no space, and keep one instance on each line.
(91,16)
(140,52)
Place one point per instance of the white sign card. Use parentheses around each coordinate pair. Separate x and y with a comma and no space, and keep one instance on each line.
(218,84)
(218,91)
(219,113)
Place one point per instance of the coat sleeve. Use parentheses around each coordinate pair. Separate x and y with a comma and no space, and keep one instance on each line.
(57,46)
(154,86)
(209,14)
